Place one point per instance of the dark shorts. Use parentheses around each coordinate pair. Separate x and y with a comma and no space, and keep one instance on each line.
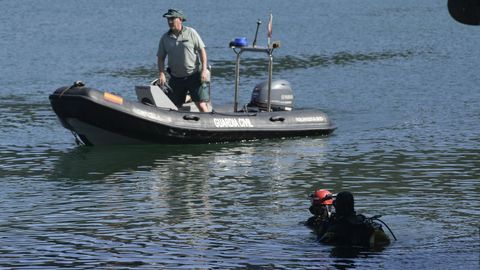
(188,85)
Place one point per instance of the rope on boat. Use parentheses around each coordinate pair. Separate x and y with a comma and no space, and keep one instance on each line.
(75,84)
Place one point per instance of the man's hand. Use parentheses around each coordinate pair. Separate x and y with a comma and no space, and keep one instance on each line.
(205,76)
(161,79)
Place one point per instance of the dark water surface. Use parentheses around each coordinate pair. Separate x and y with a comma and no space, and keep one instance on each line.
(399,78)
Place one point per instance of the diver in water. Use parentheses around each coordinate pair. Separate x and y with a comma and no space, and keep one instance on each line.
(341,225)
(321,209)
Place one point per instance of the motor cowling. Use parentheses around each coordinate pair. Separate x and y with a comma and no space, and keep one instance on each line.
(281,96)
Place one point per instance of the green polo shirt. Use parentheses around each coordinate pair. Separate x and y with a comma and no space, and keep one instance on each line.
(182,51)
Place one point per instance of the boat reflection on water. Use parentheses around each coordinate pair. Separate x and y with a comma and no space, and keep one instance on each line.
(234,160)
(94,163)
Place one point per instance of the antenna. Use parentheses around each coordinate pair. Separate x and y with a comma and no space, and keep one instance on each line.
(256,33)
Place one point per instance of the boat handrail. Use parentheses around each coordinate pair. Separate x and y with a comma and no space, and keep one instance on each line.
(269,51)
(232,114)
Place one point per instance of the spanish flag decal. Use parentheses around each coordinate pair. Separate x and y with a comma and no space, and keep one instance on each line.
(113,98)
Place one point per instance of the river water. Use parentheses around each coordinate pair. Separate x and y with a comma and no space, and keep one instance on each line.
(399,78)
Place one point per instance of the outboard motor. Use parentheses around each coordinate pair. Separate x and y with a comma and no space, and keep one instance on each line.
(281,96)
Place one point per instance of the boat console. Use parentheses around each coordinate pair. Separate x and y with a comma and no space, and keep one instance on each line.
(154,96)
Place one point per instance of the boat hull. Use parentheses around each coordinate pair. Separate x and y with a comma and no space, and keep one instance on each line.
(99,118)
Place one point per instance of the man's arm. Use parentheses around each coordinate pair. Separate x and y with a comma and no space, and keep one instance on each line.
(161,71)
(203,59)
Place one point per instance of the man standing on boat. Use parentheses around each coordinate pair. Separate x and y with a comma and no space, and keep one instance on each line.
(187,62)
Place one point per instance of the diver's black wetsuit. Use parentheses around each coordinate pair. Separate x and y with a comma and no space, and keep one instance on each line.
(352,230)
(347,228)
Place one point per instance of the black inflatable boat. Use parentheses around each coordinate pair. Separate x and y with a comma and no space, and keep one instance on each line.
(97,118)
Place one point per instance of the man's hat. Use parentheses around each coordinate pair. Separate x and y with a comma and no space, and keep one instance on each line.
(175,13)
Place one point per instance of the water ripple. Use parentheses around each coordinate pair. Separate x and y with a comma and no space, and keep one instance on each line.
(255,67)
